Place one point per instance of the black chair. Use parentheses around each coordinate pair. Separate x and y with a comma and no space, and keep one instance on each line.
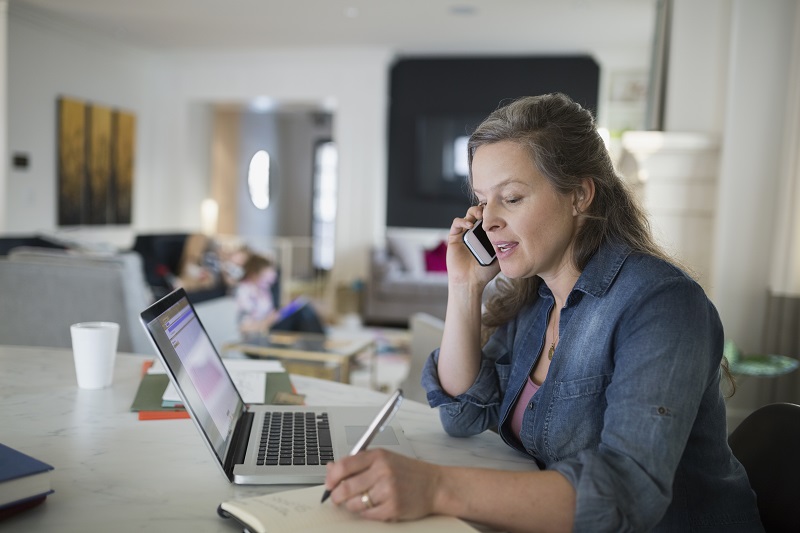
(161,253)
(767,443)
(9,243)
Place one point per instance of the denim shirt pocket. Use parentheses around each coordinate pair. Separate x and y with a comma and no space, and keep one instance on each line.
(503,368)
(574,417)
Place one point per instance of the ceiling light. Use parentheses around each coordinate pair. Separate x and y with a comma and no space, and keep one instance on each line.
(263,104)
(351,12)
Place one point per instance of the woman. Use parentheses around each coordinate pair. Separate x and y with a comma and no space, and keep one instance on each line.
(603,364)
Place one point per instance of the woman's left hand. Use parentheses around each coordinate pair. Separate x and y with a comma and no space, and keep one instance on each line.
(382,485)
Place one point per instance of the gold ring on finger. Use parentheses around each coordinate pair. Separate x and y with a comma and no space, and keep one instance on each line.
(365,499)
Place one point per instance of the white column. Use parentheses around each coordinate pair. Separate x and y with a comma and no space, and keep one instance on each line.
(785,276)
(675,175)
(761,33)
(698,65)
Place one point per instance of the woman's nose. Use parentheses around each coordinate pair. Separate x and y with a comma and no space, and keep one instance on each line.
(490,221)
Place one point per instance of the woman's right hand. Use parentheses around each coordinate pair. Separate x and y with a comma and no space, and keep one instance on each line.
(460,350)
(462,268)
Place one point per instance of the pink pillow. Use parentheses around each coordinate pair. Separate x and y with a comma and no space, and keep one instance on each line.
(436,259)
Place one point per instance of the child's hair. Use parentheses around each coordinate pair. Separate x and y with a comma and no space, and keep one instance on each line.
(254,264)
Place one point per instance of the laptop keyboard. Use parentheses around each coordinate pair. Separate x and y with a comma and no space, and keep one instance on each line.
(295,438)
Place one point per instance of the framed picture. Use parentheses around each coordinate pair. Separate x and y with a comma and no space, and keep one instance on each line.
(71,161)
(99,164)
(122,157)
(96,152)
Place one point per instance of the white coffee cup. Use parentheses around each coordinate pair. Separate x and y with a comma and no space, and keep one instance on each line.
(94,346)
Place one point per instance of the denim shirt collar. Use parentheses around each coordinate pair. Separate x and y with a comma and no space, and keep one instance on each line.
(600,271)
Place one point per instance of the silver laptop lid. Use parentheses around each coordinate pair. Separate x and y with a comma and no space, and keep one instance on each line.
(196,369)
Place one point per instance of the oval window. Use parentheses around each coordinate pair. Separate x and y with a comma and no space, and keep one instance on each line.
(258,179)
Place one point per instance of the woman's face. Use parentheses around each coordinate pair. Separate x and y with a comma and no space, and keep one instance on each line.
(529,223)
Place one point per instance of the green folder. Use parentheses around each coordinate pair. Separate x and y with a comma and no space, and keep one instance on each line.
(277,382)
(148,396)
(152,387)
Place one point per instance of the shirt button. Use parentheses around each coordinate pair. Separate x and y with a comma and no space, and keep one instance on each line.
(662,410)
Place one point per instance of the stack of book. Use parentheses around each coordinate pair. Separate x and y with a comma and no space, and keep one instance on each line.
(24,481)
(258,381)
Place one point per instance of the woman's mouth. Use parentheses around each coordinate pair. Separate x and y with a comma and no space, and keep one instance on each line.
(503,248)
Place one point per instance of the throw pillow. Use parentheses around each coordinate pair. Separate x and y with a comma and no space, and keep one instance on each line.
(409,253)
(436,258)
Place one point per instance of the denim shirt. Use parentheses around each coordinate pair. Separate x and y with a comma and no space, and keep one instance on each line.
(631,411)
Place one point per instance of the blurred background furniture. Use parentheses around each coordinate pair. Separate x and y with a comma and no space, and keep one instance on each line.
(46,290)
(781,335)
(219,318)
(311,354)
(767,444)
(10,242)
(406,276)
(164,256)
(769,366)
(426,335)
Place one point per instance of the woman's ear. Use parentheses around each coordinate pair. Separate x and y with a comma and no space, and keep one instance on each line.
(583,196)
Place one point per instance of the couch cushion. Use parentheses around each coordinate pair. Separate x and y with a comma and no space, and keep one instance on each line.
(408,252)
(428,286)
(40,301)
(436,258)
(78,285)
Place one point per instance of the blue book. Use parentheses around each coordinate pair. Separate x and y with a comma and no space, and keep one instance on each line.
(24,481)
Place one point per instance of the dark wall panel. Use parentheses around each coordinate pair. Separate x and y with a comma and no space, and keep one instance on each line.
(433,101)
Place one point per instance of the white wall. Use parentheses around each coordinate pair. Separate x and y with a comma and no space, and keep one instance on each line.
(48,59)
(698,65)
(168,93)
(3,109)
(45,61)
(354,79)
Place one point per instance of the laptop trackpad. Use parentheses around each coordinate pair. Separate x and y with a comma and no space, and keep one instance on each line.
(384,438)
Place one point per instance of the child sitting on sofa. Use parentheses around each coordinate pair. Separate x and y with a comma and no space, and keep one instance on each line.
(254,302)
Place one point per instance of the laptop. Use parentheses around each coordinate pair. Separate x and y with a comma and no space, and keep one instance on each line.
(243,438)
(298,315)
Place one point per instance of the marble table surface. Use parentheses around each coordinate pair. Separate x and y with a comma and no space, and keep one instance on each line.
(115,472)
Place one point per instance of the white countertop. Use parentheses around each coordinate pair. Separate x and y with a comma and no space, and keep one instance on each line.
(115,472)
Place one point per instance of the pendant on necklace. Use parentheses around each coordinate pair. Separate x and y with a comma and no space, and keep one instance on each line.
(552,349)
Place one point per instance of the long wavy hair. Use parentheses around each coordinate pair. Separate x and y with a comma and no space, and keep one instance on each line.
(562,140)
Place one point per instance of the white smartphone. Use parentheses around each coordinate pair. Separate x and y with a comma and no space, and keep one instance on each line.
(478,243)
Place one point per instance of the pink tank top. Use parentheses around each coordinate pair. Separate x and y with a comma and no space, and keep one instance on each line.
(522,404)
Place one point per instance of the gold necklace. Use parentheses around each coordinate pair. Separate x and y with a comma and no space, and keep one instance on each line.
(553,342)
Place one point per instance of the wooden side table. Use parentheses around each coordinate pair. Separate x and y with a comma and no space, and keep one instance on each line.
(310,353)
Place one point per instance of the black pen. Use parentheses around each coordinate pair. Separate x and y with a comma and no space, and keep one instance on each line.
(382,419)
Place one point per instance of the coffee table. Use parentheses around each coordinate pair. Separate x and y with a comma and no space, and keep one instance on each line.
(316,352)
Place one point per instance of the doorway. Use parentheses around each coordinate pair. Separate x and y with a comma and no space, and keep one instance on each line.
(290,205)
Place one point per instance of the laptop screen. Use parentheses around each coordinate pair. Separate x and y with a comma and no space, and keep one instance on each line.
(204,384)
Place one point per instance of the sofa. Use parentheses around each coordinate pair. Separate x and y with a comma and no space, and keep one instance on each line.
(45,290)
(426,335)
(48,283)
(407,275)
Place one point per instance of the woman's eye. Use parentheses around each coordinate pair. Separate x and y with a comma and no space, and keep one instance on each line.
(513,199)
